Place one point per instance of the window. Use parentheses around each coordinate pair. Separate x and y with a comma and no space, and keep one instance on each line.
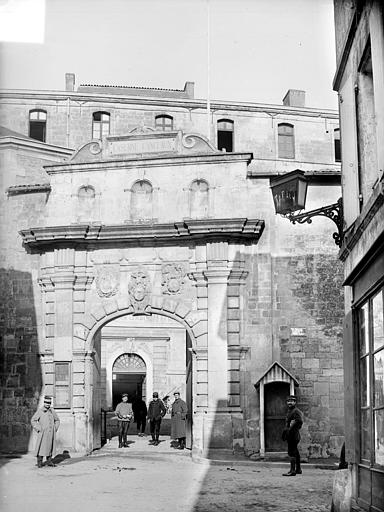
(37,124)
(199,200)
(100,125)
(141,201)
(164,123)
(62,385)
(225,135)
(286,141)
(337,144)
(371,366)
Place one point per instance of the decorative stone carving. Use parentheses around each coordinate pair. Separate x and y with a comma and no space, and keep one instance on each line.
(139,288)
(107,280)
(173,275)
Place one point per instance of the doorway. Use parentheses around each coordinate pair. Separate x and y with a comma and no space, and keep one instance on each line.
(128,376)
(275,413)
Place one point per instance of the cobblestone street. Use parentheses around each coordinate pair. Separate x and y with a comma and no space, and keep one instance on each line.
(145,478)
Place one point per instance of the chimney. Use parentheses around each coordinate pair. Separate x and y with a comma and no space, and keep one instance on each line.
(189,89)
(69,82)
(294,98)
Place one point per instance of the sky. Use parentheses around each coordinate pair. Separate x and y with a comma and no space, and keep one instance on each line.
(258,49)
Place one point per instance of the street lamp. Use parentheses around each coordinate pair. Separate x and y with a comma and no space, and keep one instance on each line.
(289,193)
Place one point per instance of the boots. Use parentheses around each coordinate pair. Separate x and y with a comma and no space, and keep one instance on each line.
(298,466)
(125,444)
(120,441)
(39,461)
(157,440)
(292,471)
(50,462)
(181,443)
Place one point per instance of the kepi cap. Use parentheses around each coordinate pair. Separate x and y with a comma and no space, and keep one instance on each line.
(48,400)
(292,397)
(124,394)
(155,394)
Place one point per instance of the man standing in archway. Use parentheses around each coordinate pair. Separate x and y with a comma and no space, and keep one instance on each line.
(156,412)
(178,419)
(124,414)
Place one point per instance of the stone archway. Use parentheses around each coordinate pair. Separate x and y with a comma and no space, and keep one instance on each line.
(90,333)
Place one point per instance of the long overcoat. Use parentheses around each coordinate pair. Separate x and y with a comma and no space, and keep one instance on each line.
(178,418)
(45,423)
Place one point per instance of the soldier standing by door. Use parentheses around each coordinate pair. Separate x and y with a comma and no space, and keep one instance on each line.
(178,419)
(156,412)
(124,414)
(291,434)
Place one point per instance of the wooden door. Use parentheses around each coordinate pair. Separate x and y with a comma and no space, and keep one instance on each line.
(275,395)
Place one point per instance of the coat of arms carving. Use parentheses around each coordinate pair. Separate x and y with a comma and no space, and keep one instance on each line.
(107,280)
(173,275)
(139,290)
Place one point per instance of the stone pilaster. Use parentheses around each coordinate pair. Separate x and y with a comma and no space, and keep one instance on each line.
(63,279)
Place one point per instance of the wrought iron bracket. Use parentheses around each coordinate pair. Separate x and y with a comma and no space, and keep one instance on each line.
(333,211)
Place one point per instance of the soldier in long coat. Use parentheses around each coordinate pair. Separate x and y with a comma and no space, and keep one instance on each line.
(45,422)
(178,420)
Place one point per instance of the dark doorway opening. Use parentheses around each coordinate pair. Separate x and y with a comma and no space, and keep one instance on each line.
(128,376)
(275,413)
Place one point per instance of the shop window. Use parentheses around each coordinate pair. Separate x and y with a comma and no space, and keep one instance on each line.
(164,123)
(225,135)
(100,125)
(62,386)
(141,201)
(199,199)
(38,124)
(337,144)
(286,140)
(371,381)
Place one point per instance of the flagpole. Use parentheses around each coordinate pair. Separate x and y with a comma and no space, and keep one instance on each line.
(208,73)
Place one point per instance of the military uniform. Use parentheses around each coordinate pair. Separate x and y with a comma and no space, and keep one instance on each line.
(45,422)
(156,412)
(291,434)
(124,414)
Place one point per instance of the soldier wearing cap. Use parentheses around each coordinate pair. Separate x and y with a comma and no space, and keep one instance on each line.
(178,420)
(124,414)
(291,434)
(156,412)
(45,422)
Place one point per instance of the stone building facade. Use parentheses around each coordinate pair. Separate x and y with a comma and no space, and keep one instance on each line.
(359,81)
(141,254)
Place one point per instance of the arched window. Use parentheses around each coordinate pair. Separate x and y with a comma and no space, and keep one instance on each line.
(141,200)
(100,125)
(164,123)
(37,124)
(225,135)
(337,144)
(199,199)
(286,140)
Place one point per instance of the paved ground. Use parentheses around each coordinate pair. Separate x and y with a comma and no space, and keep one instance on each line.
(144,478)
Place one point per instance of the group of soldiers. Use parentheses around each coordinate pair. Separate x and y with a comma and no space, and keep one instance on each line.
(46,422)
(154,415)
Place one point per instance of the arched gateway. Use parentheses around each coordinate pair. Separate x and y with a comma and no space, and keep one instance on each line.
(191,271)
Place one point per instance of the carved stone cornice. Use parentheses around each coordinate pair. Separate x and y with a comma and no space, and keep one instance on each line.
(240,230)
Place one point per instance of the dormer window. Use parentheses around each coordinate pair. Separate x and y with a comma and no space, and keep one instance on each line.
(286,140)
(37,124)
(100,125)
(225,135)
(164,123)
